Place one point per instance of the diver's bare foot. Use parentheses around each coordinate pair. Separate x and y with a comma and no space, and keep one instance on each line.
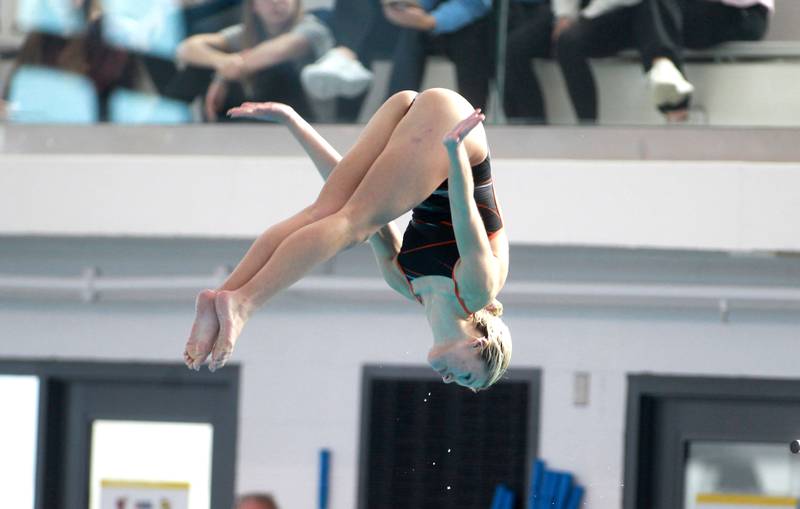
(204,331)
(232,314)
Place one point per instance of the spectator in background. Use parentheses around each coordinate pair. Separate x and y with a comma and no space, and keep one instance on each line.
(86,54)
(462,29)
(694,24)
(658,29)
(256,501)
(199,17)
(362,35)
(258,59)
(530,35)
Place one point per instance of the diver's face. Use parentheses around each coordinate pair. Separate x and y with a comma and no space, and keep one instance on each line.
(460,362)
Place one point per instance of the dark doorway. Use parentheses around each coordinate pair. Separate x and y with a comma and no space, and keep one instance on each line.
(425,444)
(670,420)
(75,395)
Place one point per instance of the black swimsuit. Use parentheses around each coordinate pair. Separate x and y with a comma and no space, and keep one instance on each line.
(429,243)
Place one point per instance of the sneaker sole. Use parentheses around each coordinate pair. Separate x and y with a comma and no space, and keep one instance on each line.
(670,93)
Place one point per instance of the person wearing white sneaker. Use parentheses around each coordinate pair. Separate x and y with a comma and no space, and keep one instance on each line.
(659,30)
(337,74)
(667,83)
(259,58)
(694,24)
(461,29)
(362,35)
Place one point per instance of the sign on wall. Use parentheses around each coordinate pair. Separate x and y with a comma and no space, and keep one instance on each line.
(134,494)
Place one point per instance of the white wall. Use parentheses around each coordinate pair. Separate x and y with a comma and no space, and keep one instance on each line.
(301,373)
(730,206)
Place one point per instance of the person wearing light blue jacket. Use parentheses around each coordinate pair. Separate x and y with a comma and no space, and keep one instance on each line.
(463,30)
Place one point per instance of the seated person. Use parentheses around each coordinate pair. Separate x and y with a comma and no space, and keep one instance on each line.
(86,54)
(658,29)
(530,35)
(694,24)
(258,59)
(461,29)
(362,34)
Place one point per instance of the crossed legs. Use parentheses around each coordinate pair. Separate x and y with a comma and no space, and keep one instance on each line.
(338,188)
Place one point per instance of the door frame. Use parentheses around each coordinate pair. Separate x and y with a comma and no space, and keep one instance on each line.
(645,390)
(55,375)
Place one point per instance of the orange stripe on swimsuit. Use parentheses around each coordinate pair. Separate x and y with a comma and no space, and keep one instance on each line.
(429,243)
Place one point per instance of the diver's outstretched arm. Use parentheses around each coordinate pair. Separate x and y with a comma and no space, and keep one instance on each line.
(478,271)
(322,154)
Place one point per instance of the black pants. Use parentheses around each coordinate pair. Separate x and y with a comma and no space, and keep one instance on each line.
(361,26)
(657,28)
(471,49)
(279,83)
(529,36)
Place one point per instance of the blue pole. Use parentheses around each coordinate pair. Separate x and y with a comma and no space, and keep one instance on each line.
(324,476)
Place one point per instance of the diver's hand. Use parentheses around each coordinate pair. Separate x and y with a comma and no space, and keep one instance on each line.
(454,138)
(273,111)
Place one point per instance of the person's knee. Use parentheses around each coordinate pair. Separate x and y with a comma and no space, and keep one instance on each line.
(403,99)
(434,94)
(356,226)
(438,101)
(319,210)
(570,46)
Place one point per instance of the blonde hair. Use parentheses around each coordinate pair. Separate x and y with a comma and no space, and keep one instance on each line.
(496,352)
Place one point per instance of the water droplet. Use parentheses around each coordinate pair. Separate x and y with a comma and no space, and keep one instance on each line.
(429,394)
(448,450)
(434,463)
(425,400)
(448,488)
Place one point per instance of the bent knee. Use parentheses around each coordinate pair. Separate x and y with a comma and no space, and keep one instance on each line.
(319,210)
(438,94)
(403,99)
(359,226)
(443,103)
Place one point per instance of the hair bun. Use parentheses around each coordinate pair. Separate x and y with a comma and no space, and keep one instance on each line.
(495,308)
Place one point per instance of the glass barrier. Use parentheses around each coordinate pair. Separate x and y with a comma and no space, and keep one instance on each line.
(737,474)
(336,61)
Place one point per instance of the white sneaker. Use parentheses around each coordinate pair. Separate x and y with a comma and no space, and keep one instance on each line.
(668,86)
(335,75)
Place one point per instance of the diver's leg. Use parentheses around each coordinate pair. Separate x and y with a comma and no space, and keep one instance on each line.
(412,165)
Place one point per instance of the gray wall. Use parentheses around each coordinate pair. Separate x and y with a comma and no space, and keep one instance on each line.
(301,357)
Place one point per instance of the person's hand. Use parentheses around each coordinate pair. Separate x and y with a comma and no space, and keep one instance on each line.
(215,98)
(462,129)
(409,16)
(231,67)
(561,24)
(276,112)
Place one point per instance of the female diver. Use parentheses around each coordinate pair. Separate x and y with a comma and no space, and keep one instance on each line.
(453,258)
